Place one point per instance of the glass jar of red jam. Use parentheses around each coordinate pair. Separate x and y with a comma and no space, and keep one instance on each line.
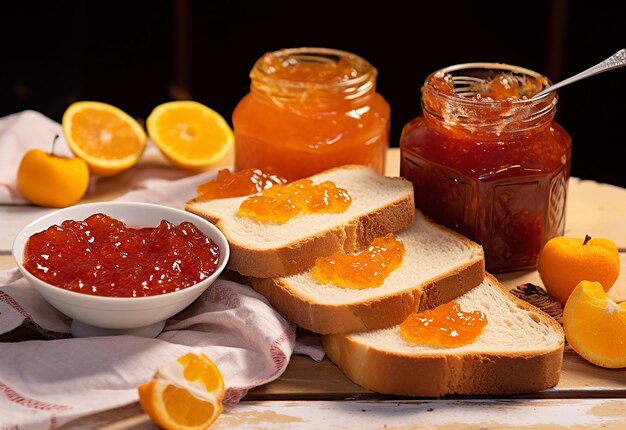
(489,161)
(310,109)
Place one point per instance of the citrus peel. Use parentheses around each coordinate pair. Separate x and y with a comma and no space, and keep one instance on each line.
(184,395)
(595,326)
(106,138)
(189,134)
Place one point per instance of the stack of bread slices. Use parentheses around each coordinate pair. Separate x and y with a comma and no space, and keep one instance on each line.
(520,350)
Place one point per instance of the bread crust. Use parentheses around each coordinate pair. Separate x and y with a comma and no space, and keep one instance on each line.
(438,374)
(300,254)
(380,312)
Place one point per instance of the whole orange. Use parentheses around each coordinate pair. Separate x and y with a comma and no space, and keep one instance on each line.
(566,261)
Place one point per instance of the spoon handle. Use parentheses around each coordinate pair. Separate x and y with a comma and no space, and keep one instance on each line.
(613,62)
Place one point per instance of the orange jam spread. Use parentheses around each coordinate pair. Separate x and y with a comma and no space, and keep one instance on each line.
(445,326)
(281,203)
(494,168)
(236,184)
(442,82)
(496,87)
(367,269)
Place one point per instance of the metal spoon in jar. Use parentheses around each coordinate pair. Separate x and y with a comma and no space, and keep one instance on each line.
(471,85)
(613,62)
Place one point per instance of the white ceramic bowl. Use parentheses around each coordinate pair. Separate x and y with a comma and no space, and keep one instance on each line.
(97,315)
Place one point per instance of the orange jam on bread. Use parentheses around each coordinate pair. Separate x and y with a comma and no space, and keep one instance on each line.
(445,326)
(311,109)
(280,203)
(367,269)
(236,184)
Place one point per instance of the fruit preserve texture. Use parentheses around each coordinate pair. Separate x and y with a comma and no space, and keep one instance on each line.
(280,203)
(301,121)
(239,183)
(102,256)
(366,269)
(445,326)
(493,167)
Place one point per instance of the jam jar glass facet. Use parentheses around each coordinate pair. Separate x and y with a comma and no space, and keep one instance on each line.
(492,166)
(310,109)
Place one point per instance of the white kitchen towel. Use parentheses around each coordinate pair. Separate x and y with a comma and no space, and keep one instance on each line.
(46,383)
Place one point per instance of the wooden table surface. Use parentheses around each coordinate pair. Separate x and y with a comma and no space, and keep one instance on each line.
(318,395)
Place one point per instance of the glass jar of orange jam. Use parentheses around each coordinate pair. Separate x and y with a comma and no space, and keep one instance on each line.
(310,109)
(489,161)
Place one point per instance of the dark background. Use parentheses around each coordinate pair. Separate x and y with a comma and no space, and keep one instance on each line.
(137,54)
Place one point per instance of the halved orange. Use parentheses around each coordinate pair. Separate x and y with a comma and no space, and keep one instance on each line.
(184,395)
(108,139)
(595,326)
(190,134)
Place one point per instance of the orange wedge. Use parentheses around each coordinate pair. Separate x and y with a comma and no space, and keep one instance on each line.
(595,326)
(189,134)
(108,139)
(184,395)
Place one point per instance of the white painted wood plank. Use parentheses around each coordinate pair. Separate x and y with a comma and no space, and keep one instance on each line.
(435,414)
(596,209)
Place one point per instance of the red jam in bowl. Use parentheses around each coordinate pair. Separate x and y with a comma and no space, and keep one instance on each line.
(102,256)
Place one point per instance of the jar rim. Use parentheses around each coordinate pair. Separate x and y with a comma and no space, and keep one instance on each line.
(366,72)
(487,116)
(546,82)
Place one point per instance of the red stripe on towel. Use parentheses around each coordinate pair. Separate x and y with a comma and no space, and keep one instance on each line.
(4,297)
(18,399)
(280,359)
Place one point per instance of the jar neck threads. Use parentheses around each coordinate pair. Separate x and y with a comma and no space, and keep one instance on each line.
(481,115)
(318,77)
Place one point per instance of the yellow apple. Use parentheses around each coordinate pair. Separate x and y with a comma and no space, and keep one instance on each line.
(566,261)
(49,180)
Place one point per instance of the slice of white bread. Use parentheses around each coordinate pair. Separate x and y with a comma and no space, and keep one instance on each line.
(438,266)
(380,205)
(519,351)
